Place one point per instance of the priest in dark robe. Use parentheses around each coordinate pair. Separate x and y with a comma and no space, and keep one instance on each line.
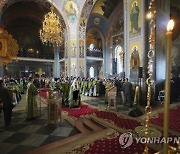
(6,103)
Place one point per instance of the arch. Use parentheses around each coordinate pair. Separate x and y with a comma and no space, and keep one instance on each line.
(6,3)
(91,72)
(118,50)
(95,37)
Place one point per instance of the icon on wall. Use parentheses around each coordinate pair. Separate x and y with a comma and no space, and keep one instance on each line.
(135,19)
(71,9)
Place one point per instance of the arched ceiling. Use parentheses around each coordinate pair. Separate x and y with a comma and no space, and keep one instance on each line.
(23,20)
(105,7)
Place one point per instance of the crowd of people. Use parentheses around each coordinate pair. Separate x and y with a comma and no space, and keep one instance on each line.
(71,89)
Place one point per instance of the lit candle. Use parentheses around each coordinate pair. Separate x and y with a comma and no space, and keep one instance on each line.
(170,27)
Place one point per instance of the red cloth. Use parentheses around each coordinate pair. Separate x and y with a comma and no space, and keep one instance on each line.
(174,120)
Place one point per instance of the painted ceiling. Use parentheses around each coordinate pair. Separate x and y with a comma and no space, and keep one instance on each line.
(105,7)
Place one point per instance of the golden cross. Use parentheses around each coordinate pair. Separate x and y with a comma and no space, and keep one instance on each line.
(40,72)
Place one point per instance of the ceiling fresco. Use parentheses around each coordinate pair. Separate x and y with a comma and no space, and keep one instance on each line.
(105,7)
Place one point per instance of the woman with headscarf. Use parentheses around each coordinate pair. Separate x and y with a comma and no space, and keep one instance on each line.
(74,95)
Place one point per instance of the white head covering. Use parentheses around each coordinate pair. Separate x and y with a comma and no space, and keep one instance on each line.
(75,85)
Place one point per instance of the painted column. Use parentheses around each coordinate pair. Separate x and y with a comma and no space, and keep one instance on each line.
(56,63)
(1,71)
(125,36)
(82,50)
(134,37)
(107,61)
(73,54)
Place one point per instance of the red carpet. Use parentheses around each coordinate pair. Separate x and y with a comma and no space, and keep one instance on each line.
(108,145)
(174,120)
(120,121)
(82,110)
(112,146)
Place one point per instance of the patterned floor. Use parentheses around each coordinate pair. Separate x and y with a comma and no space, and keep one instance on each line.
(25,135)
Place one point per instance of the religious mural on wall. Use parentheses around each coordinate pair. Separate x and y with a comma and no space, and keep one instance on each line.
(73,48)
(81,68)
(135,52)
(81,48)
(118,26)
(94,44)
(94,38)
(135,18)
(73,68)
(119,39)
(71,9)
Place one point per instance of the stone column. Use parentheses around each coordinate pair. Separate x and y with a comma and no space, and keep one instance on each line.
(56,68)
(125,35)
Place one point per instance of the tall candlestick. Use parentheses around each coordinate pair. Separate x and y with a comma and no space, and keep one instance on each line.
(167,83)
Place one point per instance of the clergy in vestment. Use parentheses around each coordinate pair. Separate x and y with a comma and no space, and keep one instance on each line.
(65,89)
(31,106)
(85,87)
(74,95)
(108,85)
(90,87)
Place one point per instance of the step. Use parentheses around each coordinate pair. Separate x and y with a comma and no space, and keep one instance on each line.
(80,126)
(91,125)
(56,144)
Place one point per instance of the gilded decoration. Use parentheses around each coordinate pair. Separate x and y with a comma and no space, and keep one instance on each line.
(135,59)
(8,47)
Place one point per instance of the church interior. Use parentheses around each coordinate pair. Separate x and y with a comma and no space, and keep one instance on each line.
(89,76)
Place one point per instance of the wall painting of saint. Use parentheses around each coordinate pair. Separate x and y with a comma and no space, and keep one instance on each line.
(71,9)
(135,18)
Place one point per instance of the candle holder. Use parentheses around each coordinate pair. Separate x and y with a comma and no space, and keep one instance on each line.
(170,27)
(147,131)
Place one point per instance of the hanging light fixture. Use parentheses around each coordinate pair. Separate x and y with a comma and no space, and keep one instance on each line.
(52,29)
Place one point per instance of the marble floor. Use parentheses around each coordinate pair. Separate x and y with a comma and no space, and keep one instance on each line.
(23,135)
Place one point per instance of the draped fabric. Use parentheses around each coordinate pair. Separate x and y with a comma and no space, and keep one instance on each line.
(31,106)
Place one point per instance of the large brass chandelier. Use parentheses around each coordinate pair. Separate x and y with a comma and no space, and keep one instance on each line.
(52,31)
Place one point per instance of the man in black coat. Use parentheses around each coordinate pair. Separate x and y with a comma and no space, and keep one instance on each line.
(6,99)
(128,89)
